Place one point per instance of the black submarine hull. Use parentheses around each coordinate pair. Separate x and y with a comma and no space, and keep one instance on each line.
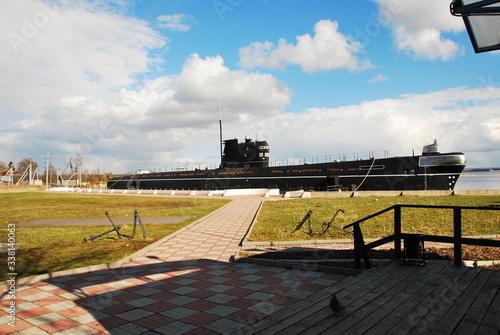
(426,172)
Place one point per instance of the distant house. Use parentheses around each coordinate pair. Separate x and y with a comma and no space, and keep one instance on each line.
(6,179)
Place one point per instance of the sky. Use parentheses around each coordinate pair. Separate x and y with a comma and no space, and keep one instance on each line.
(131,84)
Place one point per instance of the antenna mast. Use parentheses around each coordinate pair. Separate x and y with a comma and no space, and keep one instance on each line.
(220,131)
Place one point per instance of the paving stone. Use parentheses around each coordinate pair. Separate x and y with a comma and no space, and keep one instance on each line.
(260,296)
(147,291)
(142,302)
(265,307)
(184,290)
(251,278)
(179,312)
(185,281)
(127,329)
(181,300)
(225,326)
(254,286)
(222,310)
(32,331)
(221,298)
(38,296)
(176,327)
(84,318)
(45,318)
(134,314)
(60,306)
(83,329)
(218,280)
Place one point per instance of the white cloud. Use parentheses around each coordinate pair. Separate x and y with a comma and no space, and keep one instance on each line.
(460,119)
(327,50)
(378,78)
(74,84)
(426,43)
(176,22)
(418,28)
(157,124)
(66,50)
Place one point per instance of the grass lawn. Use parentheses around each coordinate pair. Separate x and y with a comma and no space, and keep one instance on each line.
(278,219)
(53,248)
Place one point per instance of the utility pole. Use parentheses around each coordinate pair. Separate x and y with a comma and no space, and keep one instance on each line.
(47,165)
(30,176)
(11,170)
(79,169)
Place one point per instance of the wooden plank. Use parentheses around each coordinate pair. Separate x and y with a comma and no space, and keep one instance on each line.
(461,306)
(304,309)
(321,309)
(393,299)
(360,303)
(478,310)
(440,306)
(425,299)
(405,301)
(491,321)
(383,306)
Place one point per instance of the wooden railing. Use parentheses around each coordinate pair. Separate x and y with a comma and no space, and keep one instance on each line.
(361,249)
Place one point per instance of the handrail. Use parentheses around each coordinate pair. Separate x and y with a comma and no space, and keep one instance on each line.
(417,206)
(361,249)
(370,216)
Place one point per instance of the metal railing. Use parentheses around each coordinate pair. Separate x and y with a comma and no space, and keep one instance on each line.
(361,249)
(284,162)
(330,158)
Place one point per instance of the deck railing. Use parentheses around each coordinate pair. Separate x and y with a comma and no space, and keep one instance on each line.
(361,249)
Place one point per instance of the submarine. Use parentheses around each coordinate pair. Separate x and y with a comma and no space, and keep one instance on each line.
(246,164)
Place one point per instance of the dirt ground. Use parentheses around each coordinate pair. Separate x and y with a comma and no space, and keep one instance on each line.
(469,252)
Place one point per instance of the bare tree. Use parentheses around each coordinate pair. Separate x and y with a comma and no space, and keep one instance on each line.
(3,168)
(24,165)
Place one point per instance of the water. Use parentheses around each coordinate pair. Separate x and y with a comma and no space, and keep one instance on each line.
(479,180)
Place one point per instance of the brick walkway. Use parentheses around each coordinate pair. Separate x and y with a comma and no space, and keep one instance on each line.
(186,285)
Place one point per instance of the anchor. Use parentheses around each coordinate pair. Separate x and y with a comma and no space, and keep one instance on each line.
(326,225)
(115,228)
(137,220)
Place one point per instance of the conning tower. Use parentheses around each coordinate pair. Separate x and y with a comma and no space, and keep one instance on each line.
(246,154)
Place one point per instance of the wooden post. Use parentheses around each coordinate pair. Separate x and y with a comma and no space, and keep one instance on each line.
(359,249)
(397,232)
(357,246)
(457,235)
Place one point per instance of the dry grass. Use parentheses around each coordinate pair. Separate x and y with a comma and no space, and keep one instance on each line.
(53,248)
(277,220)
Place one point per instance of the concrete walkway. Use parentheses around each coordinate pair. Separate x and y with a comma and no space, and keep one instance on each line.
(185,285)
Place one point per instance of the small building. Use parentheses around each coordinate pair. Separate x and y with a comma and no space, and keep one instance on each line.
(6,179)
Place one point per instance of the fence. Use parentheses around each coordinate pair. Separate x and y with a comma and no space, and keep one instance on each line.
(361,249)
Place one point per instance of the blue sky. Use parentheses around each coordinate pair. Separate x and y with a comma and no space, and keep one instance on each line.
(138,84)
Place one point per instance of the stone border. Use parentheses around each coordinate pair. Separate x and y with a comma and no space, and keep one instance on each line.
(264,192)
(276,193)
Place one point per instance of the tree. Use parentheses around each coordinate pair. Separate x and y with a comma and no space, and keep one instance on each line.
(3,169)
(24,165)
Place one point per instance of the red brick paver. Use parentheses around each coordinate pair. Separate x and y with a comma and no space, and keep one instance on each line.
(186,285)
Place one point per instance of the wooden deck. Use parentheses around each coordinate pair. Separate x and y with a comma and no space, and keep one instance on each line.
(437,298)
